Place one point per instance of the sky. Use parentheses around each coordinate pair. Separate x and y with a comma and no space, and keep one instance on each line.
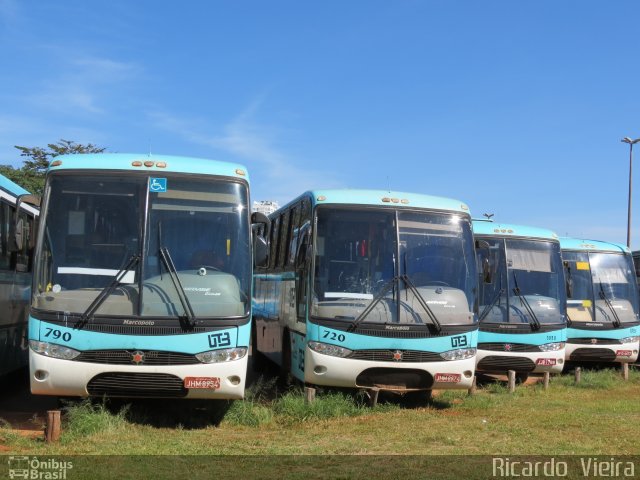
(517,108)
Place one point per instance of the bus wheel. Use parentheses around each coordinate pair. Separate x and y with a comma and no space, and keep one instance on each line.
(521,377)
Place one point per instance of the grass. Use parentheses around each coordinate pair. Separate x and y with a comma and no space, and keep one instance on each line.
(597,417)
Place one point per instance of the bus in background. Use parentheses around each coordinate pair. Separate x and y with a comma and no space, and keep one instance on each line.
(636,264)
(142,279)
(602,302)
(369,289)
(522,312)
(18,216)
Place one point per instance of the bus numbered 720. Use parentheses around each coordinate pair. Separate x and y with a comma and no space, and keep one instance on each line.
(370,290)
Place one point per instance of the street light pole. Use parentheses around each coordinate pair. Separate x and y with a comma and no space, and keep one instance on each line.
(631,144)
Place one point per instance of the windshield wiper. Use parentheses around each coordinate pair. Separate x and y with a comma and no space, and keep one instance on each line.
(175,279)
(383,291)
(488,308)
(616,320)
(422,302)
(535,323)
(106,291)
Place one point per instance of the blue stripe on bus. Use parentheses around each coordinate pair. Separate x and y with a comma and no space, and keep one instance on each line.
(400,200)
(582,245)
(355,341)
(83,340)
(123,161)
(503,230)
(613,333)
(559,335)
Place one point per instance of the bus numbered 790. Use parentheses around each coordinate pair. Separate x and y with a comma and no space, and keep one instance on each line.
(142,280)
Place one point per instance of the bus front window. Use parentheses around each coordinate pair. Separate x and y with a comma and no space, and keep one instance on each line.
(91,232)
(616,299)
(199,231)
(525,283)
(361,267)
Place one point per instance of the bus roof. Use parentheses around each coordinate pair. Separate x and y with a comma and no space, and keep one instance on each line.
(137,162)
(11,187)
(484,227)
(567,243)
(382,198)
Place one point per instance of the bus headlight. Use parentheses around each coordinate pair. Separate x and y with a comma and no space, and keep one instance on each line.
(326,349)
(458,354)
(52,350)
(629,339)
(220,356)
(551,347)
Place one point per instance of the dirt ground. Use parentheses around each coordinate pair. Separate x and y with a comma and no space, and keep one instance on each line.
(26,413)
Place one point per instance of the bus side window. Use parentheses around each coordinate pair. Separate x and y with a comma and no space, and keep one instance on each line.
(275,228)
(292,240)
(282,240)
(6,217)
(302,262)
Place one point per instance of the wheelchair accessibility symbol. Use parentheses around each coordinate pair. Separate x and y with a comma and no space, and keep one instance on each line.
(157,184)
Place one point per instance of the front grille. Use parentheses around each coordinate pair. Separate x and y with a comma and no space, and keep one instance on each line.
(395,379)
(142,329)
(502,364)
(136,385)
(598,341)
(125,357)
(387,356)
(371,332)
(593,355)
(515,347)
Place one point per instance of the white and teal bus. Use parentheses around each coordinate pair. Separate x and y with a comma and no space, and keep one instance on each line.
(142,280)
(602,302)
(369,289)
(522,309)
(18,217)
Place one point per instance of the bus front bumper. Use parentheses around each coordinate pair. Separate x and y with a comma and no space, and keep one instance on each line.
(52,376)
(605,353)
(492,361)
(397,376)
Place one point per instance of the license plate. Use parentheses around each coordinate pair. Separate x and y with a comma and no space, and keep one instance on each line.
(210,383)
(448,377)
(548,362)
(623,353)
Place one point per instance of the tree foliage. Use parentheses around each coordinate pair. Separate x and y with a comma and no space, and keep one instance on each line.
(31,175)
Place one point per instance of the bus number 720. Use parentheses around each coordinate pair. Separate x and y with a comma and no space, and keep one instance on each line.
(333,336)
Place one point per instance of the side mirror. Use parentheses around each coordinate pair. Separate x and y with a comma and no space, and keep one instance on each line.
(260,244)
(258,218)
(486,271)
(482,244)
(260,251)
(568,279)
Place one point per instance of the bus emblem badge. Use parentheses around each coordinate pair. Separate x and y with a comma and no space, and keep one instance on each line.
(137,357)
(594,341)
(397,356)
(507,347)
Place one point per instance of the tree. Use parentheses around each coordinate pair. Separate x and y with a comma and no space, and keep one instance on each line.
(31,175)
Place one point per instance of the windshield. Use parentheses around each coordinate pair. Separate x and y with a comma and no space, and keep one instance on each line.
(522,282)
(93,228)
(600,287)
(363,256)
